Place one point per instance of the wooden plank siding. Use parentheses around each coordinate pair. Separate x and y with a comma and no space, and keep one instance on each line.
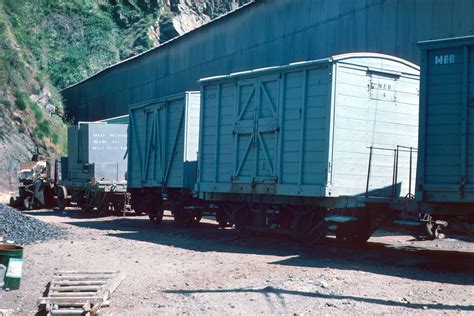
(163,139)
(447,135)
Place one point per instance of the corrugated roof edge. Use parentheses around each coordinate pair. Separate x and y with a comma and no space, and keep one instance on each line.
(238,10)
(161,99)
(375,55)
(447,42)
(113,118)
(334,58)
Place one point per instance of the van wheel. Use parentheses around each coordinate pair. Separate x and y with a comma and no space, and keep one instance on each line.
(352,232)
(434,230)
(61,194)
(197,218)
(221,218)
(28,203)
(156,214)
(156,218)
(179,215)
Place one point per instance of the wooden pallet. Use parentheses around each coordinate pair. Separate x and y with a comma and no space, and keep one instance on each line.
(79,292)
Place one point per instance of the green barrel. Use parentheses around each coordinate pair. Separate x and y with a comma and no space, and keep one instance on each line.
(11,256)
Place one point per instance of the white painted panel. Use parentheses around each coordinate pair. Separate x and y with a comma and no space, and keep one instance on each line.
(192,126)
(376,105)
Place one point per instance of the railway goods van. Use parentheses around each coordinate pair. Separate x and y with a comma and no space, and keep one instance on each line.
(293,148)
(162,155)
(94,172)
(445,180)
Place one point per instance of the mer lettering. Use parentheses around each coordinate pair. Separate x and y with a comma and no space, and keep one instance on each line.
(445,59)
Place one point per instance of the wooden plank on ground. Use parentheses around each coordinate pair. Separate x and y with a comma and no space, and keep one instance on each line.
(81,277)
(111,286)
(73,294)
(110,272)
(75,283)
(80,292)
(74,311)
(77,288)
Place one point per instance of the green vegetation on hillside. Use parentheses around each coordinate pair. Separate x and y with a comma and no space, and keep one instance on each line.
(67,39)
(47,45)
(21,76)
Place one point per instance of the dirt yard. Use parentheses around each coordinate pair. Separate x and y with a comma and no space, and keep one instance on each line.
(206,270)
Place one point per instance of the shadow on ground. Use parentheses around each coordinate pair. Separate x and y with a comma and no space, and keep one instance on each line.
(375,257)
(73,213)
(279,292)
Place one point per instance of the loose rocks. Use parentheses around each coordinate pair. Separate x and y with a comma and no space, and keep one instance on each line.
(23,229)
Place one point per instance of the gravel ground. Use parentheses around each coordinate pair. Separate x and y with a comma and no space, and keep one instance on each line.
(206,270)
(22,229)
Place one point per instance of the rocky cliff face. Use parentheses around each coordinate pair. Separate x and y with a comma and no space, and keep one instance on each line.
(14,147)
(46,45)
(181,16)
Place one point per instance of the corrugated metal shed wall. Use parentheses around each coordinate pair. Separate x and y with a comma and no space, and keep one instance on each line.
(269,32)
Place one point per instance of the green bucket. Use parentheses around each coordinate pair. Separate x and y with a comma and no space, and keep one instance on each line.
(11,256)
